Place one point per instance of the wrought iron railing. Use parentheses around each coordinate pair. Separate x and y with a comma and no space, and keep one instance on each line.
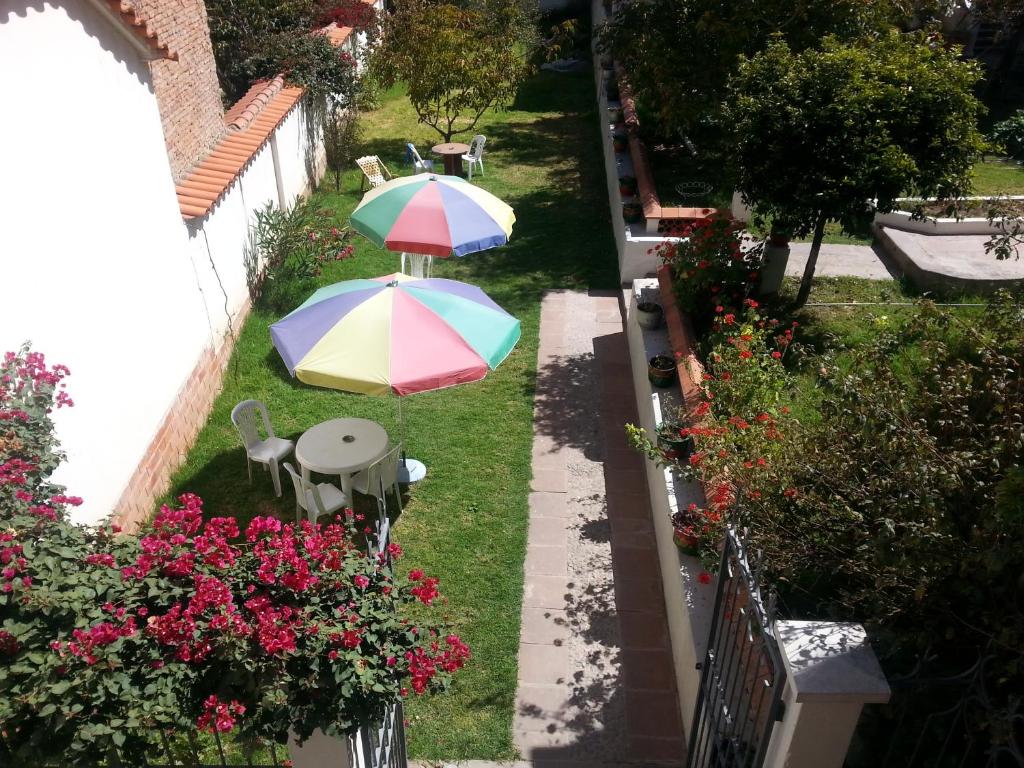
(742,675)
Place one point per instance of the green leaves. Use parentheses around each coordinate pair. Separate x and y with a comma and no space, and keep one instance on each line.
(472,60)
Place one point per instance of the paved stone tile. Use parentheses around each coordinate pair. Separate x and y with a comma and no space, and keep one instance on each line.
(544,664)
(542,459)
(544,504)
(534,745)
(648,670)
(547,531)
(639,595)
(544,625)
(666,752)
(633,533)
(546,561)
(652,713)
(643,629)
(548,480)
(635,565)
(623,458)
(626,480)
(633,505)
(544,591)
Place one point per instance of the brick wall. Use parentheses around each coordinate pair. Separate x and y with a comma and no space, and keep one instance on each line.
(187,90)
(181,425)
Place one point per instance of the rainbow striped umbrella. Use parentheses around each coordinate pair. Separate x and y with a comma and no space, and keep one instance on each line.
(395,334)
(433,215)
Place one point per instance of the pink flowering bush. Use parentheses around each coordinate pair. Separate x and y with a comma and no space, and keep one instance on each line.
(195,624)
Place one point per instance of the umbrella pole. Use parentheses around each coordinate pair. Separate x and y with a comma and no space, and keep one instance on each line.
(411,471)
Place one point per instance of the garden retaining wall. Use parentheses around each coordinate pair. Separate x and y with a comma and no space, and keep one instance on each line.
(688,602)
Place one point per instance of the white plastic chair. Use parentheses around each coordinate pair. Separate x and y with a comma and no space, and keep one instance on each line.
(419,165)
(374,170)
(476,154)
(246,417)
(315,500)
(377,480)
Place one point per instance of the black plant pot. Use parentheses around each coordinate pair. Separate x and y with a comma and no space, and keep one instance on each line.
(661,370)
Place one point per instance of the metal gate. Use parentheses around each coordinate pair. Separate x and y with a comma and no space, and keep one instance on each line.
(742,676)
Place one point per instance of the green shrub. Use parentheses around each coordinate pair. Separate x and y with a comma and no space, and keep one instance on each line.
(1009,135)
(286,252)
(105,637)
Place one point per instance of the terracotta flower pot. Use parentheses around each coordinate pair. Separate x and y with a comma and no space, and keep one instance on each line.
(633,213)
(627,186)
(661,370)
(620,142)
(688,545)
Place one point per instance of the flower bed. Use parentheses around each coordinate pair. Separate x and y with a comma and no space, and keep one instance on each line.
(193,626)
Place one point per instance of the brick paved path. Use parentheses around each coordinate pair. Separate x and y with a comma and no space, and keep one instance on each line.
(596,684)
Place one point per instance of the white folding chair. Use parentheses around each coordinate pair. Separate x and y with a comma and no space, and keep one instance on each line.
(246,417)
(373,170)
(315,500)
(377,480)
(475,156)
(419,165)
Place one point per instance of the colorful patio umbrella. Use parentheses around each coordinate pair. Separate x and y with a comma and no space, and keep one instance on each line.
(395,334)
(433,215)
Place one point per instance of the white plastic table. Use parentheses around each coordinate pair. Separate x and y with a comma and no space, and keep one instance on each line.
(341,447)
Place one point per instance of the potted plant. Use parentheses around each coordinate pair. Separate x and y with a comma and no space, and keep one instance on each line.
(633,213)
(674,441)
(661,370)
(776,256)
(687,525)
(648,314)
(627,186)
(615,115)
(611,89)
(620,142)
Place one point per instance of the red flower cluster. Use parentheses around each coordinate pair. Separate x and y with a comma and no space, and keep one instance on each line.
(219,716)
(86,641)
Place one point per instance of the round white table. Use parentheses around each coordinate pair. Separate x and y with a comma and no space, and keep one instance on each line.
(341,447)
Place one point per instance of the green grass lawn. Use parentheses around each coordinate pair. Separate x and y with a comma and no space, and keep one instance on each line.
(874,307)
(998,175)
(466,522)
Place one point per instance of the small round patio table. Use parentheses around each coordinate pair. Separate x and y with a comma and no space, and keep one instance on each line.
(452,154)
(341,447)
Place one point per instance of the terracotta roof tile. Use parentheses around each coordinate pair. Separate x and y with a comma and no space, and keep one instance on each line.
(129,17)
(245,110)
(253,119)
(337,35)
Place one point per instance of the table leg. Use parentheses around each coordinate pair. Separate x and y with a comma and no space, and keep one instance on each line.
(346,487)
(453,165)
(305,473)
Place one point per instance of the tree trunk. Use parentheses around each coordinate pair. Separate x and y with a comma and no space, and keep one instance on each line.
(812,261)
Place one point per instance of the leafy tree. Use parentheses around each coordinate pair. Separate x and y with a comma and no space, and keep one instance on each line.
(456,61)
(680,55)
(820,133)
(342,132)
(254,39)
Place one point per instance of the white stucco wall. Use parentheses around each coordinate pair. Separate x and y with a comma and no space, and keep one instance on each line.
(101,272)
(91,238)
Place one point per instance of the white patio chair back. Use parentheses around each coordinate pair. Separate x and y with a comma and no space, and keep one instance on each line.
(378,480)
(248,416)
(418,163)
(300,491)
(420,265)
(475,156)
(373,170)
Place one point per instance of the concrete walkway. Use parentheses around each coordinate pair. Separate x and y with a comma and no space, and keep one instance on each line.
(841,260)
(596,685)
